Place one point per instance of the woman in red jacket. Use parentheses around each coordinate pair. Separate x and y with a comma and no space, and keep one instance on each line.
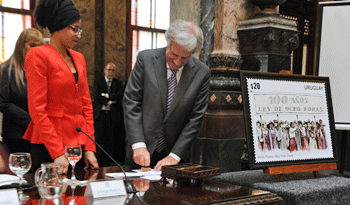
(58,94)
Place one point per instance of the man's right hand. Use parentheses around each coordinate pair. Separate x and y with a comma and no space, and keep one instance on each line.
(142,157)
(64,164)
(141,185)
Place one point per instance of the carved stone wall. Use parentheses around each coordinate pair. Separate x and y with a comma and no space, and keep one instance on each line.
(111,23)
(115,36)
(86,44)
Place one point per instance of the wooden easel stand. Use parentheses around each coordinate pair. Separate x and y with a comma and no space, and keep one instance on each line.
(299,168)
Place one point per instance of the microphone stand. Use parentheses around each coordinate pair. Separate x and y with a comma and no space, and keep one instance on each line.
(128,185)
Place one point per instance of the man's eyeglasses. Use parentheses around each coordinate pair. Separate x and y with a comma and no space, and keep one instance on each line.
(76,29)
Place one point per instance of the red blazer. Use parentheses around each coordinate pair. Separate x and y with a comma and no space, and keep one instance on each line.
(56,104)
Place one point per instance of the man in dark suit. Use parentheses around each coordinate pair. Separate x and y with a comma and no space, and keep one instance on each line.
(108,116)
(166,99)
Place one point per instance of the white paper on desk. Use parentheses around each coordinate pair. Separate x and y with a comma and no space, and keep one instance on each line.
(121,174)
(152,172)
(152,177)
(6,179)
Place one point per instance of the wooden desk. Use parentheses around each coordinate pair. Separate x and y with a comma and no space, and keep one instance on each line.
(156,192)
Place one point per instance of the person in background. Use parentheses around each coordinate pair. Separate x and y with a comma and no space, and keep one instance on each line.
(58,94)
(166,98)
(108,116)
(13,92)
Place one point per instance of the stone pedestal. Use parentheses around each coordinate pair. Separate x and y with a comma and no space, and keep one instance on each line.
(267,41)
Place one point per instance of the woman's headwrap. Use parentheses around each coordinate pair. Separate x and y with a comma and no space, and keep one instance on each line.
(65,13)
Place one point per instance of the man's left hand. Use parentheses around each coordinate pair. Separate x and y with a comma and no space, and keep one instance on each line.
(166,161)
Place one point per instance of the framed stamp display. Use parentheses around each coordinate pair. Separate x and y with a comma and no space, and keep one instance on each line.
(288,119)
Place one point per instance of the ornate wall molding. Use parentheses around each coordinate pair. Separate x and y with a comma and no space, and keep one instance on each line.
(225,61)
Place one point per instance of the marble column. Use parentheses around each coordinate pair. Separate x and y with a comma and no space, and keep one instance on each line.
(224,119)
(228,14)
(207,23)
(223,133)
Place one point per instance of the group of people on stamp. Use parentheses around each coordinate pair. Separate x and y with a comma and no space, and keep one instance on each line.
(292,136)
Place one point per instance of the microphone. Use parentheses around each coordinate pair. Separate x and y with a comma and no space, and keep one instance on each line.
(128,185)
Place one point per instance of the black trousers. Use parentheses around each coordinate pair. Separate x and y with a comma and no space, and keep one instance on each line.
(17,145)
(110,135)
(40,155)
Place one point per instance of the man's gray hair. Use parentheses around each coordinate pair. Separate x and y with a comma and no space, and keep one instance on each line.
(110,64)
(186,34)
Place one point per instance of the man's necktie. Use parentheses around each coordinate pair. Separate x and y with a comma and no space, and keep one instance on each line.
(172,84)
(109,85)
